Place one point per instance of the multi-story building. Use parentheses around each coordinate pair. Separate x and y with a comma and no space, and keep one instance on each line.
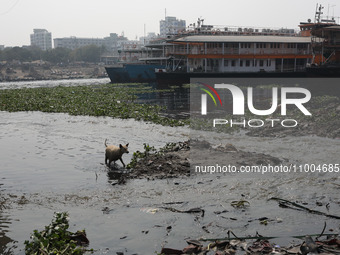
(172,26)
(75,42)
(113,42)
(42,39)
(146,39)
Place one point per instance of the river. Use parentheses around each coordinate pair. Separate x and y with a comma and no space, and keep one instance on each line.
(55,162)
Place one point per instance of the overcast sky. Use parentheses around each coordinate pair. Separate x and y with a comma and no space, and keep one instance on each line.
(88,18)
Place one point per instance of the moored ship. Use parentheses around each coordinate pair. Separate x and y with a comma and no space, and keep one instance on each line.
(210,51)
(138,64)
(133,73)
(248,52)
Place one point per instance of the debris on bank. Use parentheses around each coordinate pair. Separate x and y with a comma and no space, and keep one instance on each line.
(175,159)
(261,245)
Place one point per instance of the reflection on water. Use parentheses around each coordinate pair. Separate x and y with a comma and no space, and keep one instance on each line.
(6,243)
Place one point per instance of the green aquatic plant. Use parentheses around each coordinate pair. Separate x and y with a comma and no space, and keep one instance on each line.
(137,155)
(148,150)
(57,239)
(112,100)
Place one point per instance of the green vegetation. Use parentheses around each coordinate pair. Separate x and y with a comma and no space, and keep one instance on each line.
(139,155)
(56,239)
(112,100)
(148,150)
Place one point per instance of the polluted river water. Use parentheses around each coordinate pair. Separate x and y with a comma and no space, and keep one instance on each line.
(55,162)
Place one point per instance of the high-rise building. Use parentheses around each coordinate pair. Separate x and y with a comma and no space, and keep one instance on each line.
(42,39)
(171,26)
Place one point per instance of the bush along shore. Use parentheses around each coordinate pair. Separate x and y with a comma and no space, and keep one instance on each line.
(112,100)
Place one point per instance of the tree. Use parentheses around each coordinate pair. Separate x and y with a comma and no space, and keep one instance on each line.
(90,53)
(58,55)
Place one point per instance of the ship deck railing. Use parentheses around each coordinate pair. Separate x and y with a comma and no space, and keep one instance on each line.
(236,51)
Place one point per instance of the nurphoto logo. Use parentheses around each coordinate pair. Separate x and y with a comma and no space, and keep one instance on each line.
(238,99)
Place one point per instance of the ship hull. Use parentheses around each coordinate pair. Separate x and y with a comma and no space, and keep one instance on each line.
(133,73)
(173,78)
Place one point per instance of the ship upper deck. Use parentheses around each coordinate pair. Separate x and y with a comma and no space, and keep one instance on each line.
(242,39)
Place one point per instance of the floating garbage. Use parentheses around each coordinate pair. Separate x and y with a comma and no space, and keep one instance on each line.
(149,210)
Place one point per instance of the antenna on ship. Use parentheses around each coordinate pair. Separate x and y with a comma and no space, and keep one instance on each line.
(144,32)
(318,13)
(330,6)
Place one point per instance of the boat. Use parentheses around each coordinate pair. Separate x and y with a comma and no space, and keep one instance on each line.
(250,52)
(138,64)
(325,43)
(133,73)
(236,56)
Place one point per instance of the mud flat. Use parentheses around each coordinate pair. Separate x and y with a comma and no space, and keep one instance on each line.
(162,202)
(324,122)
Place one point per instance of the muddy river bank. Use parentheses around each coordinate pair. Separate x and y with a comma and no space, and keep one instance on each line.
(55,162)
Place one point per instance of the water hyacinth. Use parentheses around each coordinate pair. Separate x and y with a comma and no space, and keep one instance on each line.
(112,100)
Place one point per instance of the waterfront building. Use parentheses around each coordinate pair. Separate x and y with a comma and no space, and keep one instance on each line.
(42,39)
(76,42)
(113,42)
(171,26)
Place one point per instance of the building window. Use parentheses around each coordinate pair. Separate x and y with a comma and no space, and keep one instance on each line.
(247,62)
(261,62)
(226,62)
(241,62)
(233,63)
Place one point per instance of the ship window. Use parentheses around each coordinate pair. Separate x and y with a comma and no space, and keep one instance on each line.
(302,46)
(245,45)
(260,45)
(274,45)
